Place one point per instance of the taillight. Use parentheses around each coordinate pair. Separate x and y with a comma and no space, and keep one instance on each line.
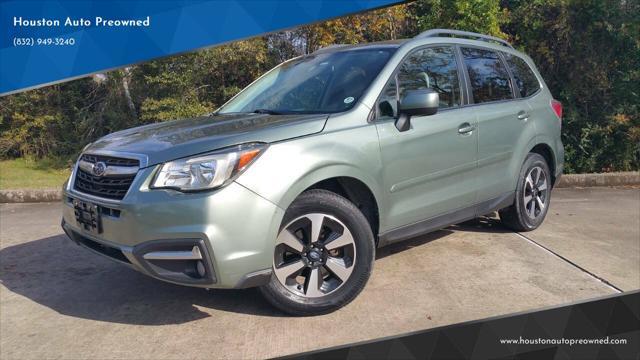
(557,108)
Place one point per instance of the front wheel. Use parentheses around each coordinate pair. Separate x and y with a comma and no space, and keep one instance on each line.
(323,255)
(533,196)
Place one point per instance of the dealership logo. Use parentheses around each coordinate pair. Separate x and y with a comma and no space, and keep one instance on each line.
(99,168)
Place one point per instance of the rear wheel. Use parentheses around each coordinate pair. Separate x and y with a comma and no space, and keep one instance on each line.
(533,196)
(323,255)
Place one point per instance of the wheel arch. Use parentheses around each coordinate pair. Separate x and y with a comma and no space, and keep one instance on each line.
(358,193)
(547,153)
(346,182)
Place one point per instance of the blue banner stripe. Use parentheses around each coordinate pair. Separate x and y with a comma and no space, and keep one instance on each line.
(174,27)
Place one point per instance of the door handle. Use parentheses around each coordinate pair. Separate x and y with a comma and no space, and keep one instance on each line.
(465,128)
(523,115)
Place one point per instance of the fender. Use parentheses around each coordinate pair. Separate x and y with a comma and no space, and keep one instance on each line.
(555,163)
(325,173)
(542,139)
(288,168)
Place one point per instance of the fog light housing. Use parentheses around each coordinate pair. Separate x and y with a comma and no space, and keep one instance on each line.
(184,261)
(202,271)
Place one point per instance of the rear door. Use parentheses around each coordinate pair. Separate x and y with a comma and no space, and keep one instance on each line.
(502,120)
(428,169)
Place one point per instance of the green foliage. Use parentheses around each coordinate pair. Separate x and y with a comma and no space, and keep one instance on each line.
(588,52)
(384,24)
(197,83)
(483,16)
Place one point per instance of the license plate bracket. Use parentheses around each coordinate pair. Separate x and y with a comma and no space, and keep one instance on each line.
(88,216)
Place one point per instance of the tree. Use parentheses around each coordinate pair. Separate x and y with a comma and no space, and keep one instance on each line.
(378,25)
(482,16)
(588,51)
(196,83)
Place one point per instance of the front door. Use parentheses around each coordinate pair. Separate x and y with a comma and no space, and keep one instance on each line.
(428,169)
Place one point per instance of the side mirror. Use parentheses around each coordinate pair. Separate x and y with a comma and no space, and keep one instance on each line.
(416,103)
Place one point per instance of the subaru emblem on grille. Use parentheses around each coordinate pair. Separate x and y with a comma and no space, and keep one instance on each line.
(99,168)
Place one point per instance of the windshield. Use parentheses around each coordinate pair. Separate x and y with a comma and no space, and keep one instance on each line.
(317,83)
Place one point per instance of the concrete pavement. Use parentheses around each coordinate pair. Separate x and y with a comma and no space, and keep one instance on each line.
(597,229)
(58,300)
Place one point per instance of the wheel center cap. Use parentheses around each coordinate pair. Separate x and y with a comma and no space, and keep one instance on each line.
(314,255)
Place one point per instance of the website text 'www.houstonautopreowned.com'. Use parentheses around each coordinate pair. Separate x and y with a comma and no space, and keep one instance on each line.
(564,341)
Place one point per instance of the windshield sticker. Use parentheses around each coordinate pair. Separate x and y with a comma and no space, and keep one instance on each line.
(349,100)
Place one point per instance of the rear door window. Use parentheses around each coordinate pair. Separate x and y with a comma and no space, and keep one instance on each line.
(488,75)
(526,81)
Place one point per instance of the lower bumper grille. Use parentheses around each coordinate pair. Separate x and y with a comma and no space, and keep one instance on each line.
(109,251)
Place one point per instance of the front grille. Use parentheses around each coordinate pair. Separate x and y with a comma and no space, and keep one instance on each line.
(110,187)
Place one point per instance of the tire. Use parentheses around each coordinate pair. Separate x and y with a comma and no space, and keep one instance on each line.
(339,261)
(532,199)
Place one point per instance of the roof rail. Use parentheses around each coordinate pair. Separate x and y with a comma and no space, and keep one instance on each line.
(467,34)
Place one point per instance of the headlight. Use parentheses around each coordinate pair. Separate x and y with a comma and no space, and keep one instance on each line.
(206,171)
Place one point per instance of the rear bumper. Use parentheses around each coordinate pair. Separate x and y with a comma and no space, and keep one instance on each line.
(231,231)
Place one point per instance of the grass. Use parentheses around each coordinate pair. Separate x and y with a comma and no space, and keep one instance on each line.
(29,174)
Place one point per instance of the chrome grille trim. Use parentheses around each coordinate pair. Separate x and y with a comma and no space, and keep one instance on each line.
(142,159)
(111,170)
(114,183)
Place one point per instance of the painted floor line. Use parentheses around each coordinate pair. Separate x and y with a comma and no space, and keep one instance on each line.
(596,277)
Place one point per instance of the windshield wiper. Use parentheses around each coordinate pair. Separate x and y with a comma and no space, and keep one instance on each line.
(267,111)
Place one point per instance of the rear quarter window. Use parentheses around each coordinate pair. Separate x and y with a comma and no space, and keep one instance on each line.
(526,81)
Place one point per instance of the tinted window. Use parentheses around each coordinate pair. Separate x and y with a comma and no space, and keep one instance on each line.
(433,68)
(317,83)
(488,75)
(526,81)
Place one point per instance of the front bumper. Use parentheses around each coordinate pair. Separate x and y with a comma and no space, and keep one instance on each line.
(233,228)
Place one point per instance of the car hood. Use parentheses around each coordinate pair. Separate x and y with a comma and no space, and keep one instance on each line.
(171,140)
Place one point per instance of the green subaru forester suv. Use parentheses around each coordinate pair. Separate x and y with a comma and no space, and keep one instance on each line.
(293,184)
